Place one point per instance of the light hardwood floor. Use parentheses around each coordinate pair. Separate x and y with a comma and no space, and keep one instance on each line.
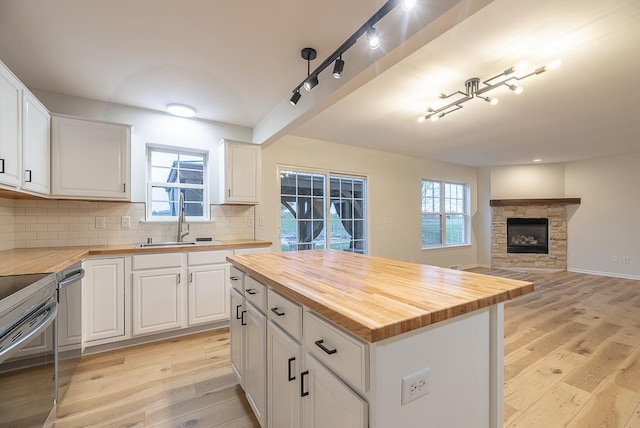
(572,358)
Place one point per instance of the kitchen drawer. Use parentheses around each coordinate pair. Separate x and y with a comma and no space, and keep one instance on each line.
(285,313)
(156,261)
(195,258)
(237,279)
(255,293)
(346,356)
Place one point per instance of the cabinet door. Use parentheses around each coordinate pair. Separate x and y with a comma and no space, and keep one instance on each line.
(241,173)
(10,126)
(89,159)
(103,291)
(208,294)
(328,402)
(237,334)
(70,316)
(36,156)
(157,300)
(283,374)
(255,383)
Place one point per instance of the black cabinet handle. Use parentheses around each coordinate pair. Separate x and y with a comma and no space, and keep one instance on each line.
(303,393)
(319,344)
(242,318)
(29,171)
(2,168)
(251,291)
(237,311)
(277,312)
(234,278)
(289,376)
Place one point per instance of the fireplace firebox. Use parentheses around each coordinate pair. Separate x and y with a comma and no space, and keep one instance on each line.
(528,235)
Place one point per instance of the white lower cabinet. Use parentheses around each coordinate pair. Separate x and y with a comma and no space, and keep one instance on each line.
(208,294)
(255,373)
(237,333)
(103,294)
(158,300)
(291,388)
(283,378)
(328,402)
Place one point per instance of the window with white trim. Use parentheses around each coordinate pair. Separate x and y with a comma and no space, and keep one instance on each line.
(172,171)
(322,210)
(444,214)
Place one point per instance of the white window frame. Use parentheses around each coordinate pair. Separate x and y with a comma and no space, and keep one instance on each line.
(328,174)
(443,214)
(204,186)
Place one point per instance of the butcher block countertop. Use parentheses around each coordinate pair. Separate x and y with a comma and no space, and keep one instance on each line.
(372,297)
(44,260)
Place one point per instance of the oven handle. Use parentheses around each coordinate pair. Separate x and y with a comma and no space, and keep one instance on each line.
(52,307)
(71,277)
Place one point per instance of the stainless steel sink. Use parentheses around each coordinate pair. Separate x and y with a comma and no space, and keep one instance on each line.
(176,244)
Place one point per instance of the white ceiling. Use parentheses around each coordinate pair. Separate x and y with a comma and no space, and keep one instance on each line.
(236,62)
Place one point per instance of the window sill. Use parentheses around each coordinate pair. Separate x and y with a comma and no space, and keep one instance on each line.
(445,247)
(144,221)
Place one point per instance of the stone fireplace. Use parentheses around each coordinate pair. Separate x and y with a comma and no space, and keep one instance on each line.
(529,233)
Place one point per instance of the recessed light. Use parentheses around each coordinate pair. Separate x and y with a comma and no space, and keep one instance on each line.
(181,110)
(537,160)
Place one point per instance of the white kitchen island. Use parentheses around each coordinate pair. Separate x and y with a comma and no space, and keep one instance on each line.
(328,338)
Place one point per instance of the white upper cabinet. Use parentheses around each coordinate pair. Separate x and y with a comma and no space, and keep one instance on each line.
(239,173)
(10,125)
(90,159)
(36,157)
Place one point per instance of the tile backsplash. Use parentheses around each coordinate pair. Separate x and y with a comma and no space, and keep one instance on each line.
(58,223)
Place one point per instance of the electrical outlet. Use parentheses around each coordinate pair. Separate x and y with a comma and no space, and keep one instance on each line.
(626,260)
(126,222)
(250,221)
(415,386)
(100,222)
(614,259)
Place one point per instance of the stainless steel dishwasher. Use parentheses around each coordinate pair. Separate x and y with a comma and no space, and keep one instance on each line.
(69,323)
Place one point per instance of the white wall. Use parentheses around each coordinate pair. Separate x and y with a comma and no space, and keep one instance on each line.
(482,219)
(607,222)
(149,127)
(394,185)
(528,181)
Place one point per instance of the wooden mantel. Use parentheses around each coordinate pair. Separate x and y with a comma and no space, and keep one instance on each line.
(530,202)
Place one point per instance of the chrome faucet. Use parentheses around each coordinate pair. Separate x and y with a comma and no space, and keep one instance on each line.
(182,222)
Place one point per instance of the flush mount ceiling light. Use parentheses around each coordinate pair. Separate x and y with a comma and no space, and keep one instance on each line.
(473,90)
(181,110)
(373,41)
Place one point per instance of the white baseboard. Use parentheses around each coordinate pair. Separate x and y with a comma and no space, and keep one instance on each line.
(612,274)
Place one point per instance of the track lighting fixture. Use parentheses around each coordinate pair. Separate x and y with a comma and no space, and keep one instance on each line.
(295,97)
(338,68)
(473,90)
(373,40)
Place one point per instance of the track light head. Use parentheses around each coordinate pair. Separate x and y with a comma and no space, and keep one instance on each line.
(338,68)
(373,38)
(311,82)
(295,97)
(408,5)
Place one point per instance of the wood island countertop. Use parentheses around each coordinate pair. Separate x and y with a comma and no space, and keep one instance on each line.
(376,298)
(21,261)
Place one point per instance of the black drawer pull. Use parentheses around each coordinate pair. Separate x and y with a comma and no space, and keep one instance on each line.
(277,312)
(238,316)
(242,322)
(251,291)
(289,376)
(319,344)
(302,391)
(234,278)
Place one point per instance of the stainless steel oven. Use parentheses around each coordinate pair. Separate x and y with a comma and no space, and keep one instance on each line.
(28,309)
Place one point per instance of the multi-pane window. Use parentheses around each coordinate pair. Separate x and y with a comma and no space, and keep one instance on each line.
(322,210)
(171,172)
(444,214)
